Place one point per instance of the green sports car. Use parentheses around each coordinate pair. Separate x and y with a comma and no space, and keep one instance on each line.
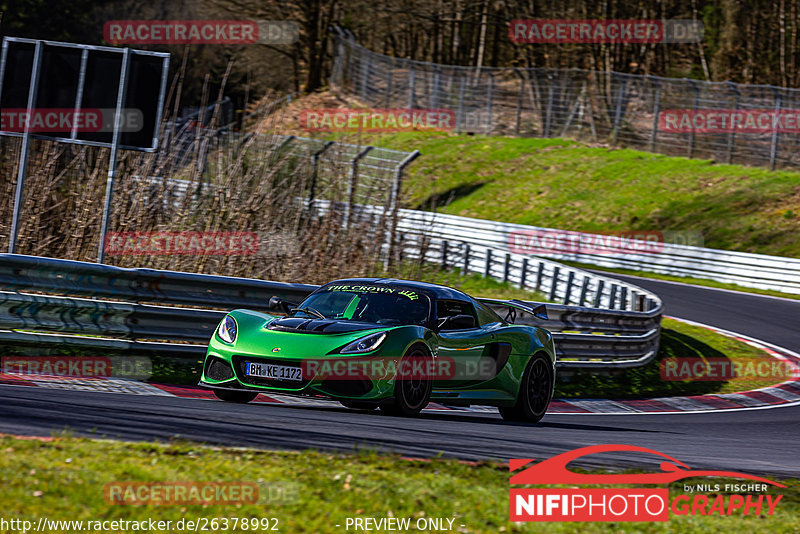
(390,344)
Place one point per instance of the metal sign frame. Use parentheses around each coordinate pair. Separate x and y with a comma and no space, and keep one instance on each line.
(114,145)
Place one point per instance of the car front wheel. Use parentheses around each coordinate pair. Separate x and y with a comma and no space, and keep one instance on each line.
(534,392)
(412,386)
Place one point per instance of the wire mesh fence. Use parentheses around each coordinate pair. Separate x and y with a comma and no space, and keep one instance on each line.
(723,121)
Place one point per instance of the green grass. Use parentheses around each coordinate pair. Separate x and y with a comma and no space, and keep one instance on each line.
(564,184)
(307,492)
(678,340)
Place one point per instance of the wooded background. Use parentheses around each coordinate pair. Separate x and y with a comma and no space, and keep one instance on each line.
(749,41)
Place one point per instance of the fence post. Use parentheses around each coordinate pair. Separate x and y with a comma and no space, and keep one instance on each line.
(394,202)
(488,269)
(389,80)
(352,183)
(435,90)
(618,113)
(549,114)
(773,149)
(694,110)
(460,111)
(506,267)
(656,111)
(466,258)
(365,76)
(732,135)
(568,291)
(411,80)
(489,96)
(554,286)
(314,168)
(519,100)
(599,294)
(613,296)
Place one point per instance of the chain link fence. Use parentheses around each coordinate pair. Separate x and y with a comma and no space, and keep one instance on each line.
(723,121)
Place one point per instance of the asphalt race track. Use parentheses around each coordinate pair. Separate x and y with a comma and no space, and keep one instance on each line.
(757,441)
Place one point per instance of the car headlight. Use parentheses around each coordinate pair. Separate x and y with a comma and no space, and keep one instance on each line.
(365,344)
(227,329)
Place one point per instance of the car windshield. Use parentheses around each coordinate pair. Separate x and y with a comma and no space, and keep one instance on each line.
(378,304)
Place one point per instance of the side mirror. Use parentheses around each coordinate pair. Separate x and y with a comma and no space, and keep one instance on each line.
(280,305)
(458,322)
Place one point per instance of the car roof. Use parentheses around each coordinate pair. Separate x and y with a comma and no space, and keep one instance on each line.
(434,290)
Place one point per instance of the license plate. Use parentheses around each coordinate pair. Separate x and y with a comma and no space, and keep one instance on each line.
(273,372)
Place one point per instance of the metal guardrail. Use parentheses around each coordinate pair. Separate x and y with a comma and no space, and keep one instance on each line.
(745,269)
(130,322)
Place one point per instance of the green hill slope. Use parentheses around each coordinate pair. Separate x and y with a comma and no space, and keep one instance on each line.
(563,184)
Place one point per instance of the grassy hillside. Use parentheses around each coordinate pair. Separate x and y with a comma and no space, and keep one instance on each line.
(567,185)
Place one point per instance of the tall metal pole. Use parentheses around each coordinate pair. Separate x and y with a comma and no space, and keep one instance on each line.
(112,164)
(33,90)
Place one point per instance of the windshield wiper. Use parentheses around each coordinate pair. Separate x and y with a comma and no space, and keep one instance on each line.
(309,311)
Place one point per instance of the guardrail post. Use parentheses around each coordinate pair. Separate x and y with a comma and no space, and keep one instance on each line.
(599,294)
(623,298)
(539,275)
(613,296)
(506,267)
(554,286)
(584,289)
(568,291)
(466,258)
(523,273)
(643,303)
(444,254)
(488,270)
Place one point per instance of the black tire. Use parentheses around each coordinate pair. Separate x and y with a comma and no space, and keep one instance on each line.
(411,393)
(534,392)
(239,397)
(359,405)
